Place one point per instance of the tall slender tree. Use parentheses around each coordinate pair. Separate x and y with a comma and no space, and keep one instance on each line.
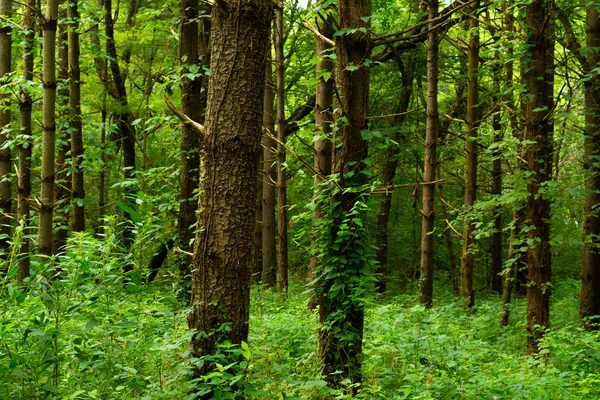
(322,151)
(472,125)
(192,106)
(5,117)
(428,212)
(282,232)
(341,335)
(75,121)
(538,76)
(25,141)
(62,182)
(48,128)
(269,199)
(221,274)
(590,277)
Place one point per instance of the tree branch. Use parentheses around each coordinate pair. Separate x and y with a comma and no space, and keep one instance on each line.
(184,118)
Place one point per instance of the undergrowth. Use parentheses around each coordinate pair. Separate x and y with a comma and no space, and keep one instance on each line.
(79,330)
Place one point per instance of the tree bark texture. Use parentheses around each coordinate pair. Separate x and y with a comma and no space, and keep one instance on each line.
(75,121)
(472,125)
(341,356)
(269,200)
(282,220)
(223,252)
(430,159)
(391,165)
(322,151)
(48,128)
(590,277)
(539,82)
(5,117)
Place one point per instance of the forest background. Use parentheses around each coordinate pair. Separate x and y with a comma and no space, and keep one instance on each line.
(332,199)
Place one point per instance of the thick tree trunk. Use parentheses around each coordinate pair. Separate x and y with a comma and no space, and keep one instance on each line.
(340,338)
(539,83)
(62,183)
(192,105)
(77,181)
(5,117)
(428,212)
(282,220)
(221,274)
(496,239)
(25,145)
(391,165)
(472,125)
(322,152)
(269,200)
(48,128)
(590,277)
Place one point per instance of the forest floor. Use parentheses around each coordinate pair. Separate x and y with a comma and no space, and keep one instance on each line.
(89,336)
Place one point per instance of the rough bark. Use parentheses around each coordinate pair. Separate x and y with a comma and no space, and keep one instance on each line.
(539,82)
(282,220)
(322,151)
(25,144)
(391,165)
(5,117)
(430,159)
(472,125)
(75,121)
(192,105)
(223,251)
(269,199)
(589,306)
(341,356)
(48,128)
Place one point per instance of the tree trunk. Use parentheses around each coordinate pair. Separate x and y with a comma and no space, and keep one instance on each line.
(391,165)
(77,181)
(62,183)
(428,212)
(590,277)
(342,319)
(322,152)
(282,220)
(468,256)
(124,124)
(5,117)
(192,105)
(48,128)
(539,83)
(25,145)
(269,271)
(496,239)
(221,274)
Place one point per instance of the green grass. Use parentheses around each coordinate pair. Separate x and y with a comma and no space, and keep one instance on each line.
(89,336)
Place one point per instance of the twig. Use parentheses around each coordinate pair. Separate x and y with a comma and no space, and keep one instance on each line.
(184,118)
(314,30)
